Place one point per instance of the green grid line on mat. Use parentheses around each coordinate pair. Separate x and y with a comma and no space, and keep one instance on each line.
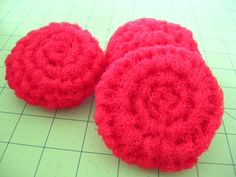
(36,142)
(86,128)
(91,121)
(6,38)
(99,153)
(223,42)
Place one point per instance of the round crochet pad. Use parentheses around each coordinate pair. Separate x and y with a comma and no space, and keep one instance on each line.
(147,32)
(159,107)
(55,66)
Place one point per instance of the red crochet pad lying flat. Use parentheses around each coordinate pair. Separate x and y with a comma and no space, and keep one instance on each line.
(159,107)
(147,32)
(55,66)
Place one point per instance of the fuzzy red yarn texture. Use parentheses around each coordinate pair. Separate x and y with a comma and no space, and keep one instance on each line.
(146,32)
(55,66)
(159,107)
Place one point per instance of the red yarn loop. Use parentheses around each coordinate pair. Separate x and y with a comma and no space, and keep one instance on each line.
(146,32)
(55,66)
(159,107)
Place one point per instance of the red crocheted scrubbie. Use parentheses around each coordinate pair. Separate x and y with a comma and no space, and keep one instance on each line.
(55,66)
(159,107)
(147,32)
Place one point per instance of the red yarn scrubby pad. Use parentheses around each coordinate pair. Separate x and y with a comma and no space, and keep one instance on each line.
(55,66)
(147,32)
(159,107)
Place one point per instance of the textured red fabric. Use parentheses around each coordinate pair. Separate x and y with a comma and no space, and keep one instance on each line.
(55,66)
(158,107)
(147,32)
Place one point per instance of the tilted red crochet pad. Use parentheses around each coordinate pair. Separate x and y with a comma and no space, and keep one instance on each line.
(147,32)
(55,66)
(159,107)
